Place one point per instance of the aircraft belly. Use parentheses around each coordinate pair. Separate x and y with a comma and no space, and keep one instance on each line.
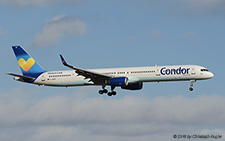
(78,81)
(164,78)
(66,83)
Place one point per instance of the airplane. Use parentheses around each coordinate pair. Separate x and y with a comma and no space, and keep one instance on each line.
(131,78)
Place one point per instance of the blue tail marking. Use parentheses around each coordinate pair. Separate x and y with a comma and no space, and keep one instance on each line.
(28,65)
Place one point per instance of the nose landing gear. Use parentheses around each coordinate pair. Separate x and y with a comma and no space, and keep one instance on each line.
(191,89)
(192,84)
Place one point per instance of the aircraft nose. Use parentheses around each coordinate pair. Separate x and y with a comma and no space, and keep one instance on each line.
(211,75)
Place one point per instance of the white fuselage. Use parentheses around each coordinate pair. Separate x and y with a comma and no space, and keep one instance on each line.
(134,75)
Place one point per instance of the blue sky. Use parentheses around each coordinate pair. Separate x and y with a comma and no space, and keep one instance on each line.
(104,34)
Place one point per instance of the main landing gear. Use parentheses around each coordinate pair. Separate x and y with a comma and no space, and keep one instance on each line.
(106,91)
(192,84)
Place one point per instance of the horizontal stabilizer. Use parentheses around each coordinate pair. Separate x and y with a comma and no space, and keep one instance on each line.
(21,76)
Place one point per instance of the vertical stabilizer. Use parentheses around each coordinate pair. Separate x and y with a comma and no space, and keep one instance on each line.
(28,65)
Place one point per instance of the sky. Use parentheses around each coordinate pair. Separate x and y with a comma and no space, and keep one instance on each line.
(106,34)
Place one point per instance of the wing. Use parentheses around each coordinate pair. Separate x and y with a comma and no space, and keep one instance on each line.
(97,78)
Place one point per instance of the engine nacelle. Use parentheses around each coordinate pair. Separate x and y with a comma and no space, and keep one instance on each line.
(135,86)
(118,81)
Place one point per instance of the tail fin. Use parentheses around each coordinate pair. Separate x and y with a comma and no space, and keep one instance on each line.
(28,65)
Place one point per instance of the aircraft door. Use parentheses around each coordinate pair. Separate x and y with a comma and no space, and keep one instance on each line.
(42,78)
(193,71)
(158,72)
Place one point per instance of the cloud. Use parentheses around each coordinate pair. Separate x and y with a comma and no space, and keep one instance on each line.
(192,8)
(188,35)
(213,132)
(155,33)
(3,32)
(73,117)
(58,27)
(199,7)
(132,39)
(26,3)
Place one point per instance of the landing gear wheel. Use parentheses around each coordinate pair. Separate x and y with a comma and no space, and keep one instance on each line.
(192,84)
(113,93)
(100,91)
(109,94)
(105,91)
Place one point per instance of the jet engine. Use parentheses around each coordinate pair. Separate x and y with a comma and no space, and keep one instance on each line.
(135,86)
(118,81)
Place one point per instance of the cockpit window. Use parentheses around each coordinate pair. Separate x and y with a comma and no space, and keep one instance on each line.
(204,70)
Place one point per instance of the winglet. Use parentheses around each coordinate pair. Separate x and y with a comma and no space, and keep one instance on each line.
(63,60)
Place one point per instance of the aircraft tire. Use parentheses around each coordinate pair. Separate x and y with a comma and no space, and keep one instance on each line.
(100,91)
(109,94)
(113,93)
(105,91)
(191,89)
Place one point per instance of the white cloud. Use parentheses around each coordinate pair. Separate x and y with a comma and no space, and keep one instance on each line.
(56,28)
(192,8)
(213,132)
(73,117)
(199,7)
(188,35)
(25,3)
(132,38)
(48,132)
(154,33)
(3,32)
